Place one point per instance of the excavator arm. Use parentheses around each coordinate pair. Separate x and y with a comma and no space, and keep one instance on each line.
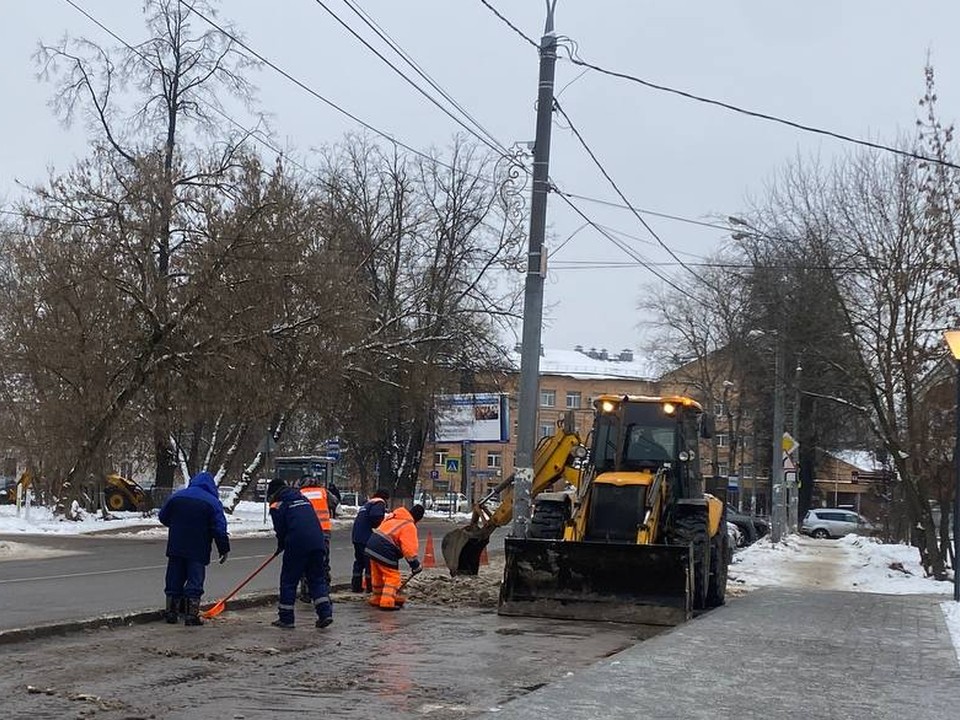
(462,547)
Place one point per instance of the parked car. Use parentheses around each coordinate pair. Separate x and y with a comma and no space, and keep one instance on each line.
(443,503)
(350,499)
(751,528)
(833,523)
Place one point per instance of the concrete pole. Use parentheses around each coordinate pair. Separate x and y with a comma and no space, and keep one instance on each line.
(533,290)
(777,510)
(956,500)
(793,488)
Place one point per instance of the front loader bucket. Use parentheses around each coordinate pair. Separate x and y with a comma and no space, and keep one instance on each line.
(645,584)
(461,549)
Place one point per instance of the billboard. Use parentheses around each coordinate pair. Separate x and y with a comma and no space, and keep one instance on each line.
(475,417)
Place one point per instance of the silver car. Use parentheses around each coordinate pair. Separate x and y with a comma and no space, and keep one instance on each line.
(833,523)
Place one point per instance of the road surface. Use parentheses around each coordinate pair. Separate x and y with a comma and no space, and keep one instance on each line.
(108,574)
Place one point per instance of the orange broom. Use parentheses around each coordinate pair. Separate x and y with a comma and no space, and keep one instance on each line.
(222,604)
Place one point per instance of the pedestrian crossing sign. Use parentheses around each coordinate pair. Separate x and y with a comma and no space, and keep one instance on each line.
(453,465)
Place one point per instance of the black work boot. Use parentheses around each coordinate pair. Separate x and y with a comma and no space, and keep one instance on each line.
(172,612)
(192,617)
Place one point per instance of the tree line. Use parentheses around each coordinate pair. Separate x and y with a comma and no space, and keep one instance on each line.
(842,278)
(178,296)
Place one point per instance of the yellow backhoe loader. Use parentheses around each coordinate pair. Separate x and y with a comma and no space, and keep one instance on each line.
(120,493)
(636,539)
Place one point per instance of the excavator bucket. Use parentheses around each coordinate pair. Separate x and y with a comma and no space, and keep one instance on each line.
(644,584)
(461,548)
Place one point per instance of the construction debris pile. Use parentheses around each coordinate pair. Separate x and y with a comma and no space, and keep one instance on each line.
(436,587)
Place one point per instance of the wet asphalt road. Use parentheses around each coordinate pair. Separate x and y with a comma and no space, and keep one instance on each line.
(109,574)
(424,661)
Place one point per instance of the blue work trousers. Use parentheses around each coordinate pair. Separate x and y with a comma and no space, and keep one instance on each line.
(360,579)
(295,565)
(185,577)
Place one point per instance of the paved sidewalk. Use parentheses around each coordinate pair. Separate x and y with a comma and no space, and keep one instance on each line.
(774,653)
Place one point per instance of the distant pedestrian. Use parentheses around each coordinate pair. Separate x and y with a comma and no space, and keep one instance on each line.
(396,538)
(320,498)
(369,517)
(300,538)
(335,499)
(195,518)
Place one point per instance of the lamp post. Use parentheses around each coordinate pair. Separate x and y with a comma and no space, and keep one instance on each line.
(953,342)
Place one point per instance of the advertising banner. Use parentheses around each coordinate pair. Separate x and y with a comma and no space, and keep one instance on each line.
(477,417)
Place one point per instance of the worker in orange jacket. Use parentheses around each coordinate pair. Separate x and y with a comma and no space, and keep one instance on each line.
(319,498)
(394,539)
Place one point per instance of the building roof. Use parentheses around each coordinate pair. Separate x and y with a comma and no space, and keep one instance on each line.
(860,459)
(579,365)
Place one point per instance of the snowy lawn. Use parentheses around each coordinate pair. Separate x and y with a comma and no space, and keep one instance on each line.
(247,519)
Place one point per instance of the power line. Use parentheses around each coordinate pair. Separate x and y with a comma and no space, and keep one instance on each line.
(306,88)
(626,249)
(395,46)
(613,184)
(736,108)
(654,213)
(765,116)
(509,24)
(400,72)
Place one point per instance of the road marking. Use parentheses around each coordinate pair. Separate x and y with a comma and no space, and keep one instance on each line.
(108,572)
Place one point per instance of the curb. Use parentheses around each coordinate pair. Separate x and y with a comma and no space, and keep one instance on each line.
(131,617)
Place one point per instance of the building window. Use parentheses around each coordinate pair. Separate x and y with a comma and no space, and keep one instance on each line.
(746,471)
(722,470)
(573,399)
(720,408)
(440,458)
(722,439)
(548,398)
(546,430)
(494,459)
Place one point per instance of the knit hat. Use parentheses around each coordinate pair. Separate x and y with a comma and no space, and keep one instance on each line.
(417,512)
(274,488)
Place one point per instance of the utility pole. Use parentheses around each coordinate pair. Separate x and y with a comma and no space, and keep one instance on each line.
(533,289)
(793,487)
(776,460)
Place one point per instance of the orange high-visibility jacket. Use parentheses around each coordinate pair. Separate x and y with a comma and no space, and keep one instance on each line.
(396,537)
(318,498)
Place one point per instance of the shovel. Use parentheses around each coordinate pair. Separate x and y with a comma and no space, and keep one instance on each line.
(222,604)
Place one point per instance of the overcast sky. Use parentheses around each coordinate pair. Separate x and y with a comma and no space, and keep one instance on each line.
(852,66)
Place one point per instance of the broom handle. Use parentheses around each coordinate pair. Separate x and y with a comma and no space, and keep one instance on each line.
(250,577)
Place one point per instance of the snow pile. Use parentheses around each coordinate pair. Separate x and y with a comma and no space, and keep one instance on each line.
(436,587)
(42,520)
(21,551)
(853,563)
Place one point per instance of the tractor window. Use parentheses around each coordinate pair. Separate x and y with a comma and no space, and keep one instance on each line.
(648,440)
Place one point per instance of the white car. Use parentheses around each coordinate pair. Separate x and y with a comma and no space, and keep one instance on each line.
(443,503)
(834,523)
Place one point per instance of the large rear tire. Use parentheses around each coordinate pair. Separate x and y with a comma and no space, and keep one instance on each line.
(691,528)
(719,562)
(548,519)
(117,501)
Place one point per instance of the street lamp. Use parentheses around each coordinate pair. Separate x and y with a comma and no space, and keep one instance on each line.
(953,342)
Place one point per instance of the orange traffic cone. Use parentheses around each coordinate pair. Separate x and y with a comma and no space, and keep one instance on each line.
(484,560)
(429,560)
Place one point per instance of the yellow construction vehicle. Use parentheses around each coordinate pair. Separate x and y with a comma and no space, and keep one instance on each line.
(120,493)
(555,460)
(638,540)
(9,494)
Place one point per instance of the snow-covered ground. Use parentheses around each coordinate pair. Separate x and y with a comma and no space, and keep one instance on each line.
(247,519)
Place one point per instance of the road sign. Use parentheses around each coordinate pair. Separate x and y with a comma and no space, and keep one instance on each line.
(789,444)
(733,482)
(453,465)
(333,449)
(434,474)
